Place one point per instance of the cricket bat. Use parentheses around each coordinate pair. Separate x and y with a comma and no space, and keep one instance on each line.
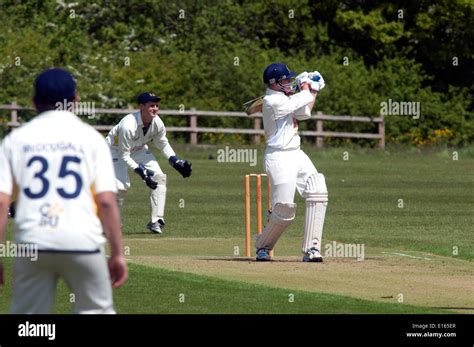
(253,106)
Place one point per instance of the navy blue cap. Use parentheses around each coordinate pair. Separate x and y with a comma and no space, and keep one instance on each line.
(54,85)
(143,98)
(276,72)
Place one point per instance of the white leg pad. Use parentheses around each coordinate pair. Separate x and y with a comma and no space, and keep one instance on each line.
(316,203)
(158,198)
(280,218)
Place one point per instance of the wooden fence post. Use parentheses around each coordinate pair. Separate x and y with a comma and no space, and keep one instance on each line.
(319,128)
(382,133)
(193,125)
(14,114)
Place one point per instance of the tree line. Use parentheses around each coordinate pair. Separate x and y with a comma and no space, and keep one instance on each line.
(211,54)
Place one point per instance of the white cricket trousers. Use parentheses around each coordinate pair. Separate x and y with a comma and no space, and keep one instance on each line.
(157,196)
(86,275)
(287,170)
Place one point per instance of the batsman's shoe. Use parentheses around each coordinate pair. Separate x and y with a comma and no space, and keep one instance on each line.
(263,255)
(156,227)
(313,255)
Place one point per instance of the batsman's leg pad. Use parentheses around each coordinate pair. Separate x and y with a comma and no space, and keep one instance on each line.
(280,218)
(158,198)
(316,195)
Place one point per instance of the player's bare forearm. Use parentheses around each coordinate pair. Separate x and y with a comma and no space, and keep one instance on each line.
(110,217)
(4,203)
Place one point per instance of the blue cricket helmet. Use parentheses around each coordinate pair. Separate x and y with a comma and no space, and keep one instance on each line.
(276,72)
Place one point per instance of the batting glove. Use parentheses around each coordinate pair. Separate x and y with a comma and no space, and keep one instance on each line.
(317,81)
(146,175)
(301,75)
(302,78)
(180,165)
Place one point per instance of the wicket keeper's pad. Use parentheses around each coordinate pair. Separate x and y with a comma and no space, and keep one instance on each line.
(280,218)
(316,195)
(158,198)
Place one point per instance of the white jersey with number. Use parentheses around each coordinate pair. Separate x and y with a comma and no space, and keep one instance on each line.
(279,123)
(128,137)
(58,164)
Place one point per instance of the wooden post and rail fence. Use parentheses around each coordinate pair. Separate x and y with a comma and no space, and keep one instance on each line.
(257,131)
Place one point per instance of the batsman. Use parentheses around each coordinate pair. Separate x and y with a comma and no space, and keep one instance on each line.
(289,99)
(128,143)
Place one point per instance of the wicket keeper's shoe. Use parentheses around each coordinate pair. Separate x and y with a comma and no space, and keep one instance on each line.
(156,227)
(263,255)
(313,255)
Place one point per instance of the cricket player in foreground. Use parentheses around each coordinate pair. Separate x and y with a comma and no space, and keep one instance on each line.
(63,172)
(286,165)
(128,143)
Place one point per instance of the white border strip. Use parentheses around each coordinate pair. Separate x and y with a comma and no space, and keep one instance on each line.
(407,255)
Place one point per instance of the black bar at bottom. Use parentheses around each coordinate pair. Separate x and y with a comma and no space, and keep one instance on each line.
(339,330)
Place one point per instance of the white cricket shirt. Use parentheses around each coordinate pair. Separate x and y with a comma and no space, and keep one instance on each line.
(58,164)
(127,137)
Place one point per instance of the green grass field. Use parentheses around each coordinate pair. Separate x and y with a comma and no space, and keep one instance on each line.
(412,210)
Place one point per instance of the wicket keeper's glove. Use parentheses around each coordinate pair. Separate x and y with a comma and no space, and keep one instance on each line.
(182,166)
(146,176)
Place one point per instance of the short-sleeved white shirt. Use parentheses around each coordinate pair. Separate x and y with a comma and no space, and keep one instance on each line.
(58,163)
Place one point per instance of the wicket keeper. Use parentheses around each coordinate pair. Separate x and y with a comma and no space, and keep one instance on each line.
(128,143)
